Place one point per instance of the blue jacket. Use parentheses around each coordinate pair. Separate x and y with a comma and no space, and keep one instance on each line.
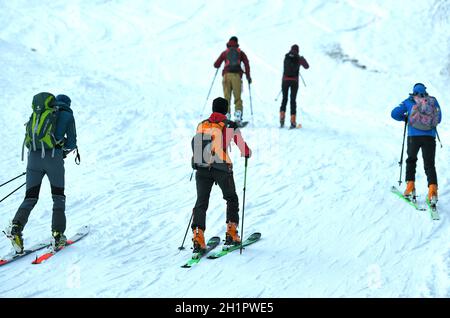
(65,126)
(401,111)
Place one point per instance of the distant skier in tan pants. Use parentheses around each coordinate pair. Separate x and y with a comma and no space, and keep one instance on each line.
(232,76)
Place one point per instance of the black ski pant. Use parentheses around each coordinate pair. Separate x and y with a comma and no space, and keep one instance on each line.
(205,179)
(37,168)
(428,146)
(285,86)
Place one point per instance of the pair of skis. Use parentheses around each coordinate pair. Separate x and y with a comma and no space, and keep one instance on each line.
(82,232)
(432,209)
(213,242)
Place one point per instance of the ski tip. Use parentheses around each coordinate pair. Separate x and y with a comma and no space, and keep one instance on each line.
(214,239)
(85,229)
(255,235)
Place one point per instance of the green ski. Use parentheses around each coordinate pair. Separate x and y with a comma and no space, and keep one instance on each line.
(196,257)
(413,202)
(432,208)
(255,237)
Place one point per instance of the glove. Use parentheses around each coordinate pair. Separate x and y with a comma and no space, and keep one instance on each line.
(66,152)
(249,79)
(248,154)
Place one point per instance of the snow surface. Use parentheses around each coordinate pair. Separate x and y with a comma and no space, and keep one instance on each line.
(138,73)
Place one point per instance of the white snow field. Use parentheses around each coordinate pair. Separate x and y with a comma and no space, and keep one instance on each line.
(138,74)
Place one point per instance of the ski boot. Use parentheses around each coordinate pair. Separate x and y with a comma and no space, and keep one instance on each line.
(432,195)
(59,240)
(231,236)
(282,117)
(14,233)
(238,117)
(410,192)
(293,122)
(199,240)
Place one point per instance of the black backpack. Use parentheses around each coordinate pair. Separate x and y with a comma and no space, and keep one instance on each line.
(291,65)
(233,60)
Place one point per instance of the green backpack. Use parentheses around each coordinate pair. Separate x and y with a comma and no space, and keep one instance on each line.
(40,129)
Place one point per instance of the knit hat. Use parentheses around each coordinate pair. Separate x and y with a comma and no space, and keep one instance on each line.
(63,99)
(419,88)
(220,105)
(295,48)
(234,38)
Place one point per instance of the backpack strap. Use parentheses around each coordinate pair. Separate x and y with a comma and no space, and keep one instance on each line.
(27,129)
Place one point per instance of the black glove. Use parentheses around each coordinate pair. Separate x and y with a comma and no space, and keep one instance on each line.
(249,79)
(66,152)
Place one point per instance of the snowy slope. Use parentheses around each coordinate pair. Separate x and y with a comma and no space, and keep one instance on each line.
(138,73)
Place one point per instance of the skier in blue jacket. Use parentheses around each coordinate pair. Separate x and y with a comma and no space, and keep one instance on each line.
(422,113)
(51,163)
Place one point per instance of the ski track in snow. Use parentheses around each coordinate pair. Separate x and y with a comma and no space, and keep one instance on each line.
(138,73)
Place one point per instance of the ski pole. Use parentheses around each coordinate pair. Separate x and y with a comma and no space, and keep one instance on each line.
(250,94)
(243,204)
(276,99)
(207,97)
(12,192)
(403,148)
(302,79)
(439,139)
(1,185)
(187,229)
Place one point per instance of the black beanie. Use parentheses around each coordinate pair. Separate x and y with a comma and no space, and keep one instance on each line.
(233,38)
(64,99)
(220,105)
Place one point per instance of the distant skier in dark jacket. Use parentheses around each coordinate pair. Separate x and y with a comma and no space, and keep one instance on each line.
(291,71)
(422,113)
(48,162)
(232,73)
(213,164)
